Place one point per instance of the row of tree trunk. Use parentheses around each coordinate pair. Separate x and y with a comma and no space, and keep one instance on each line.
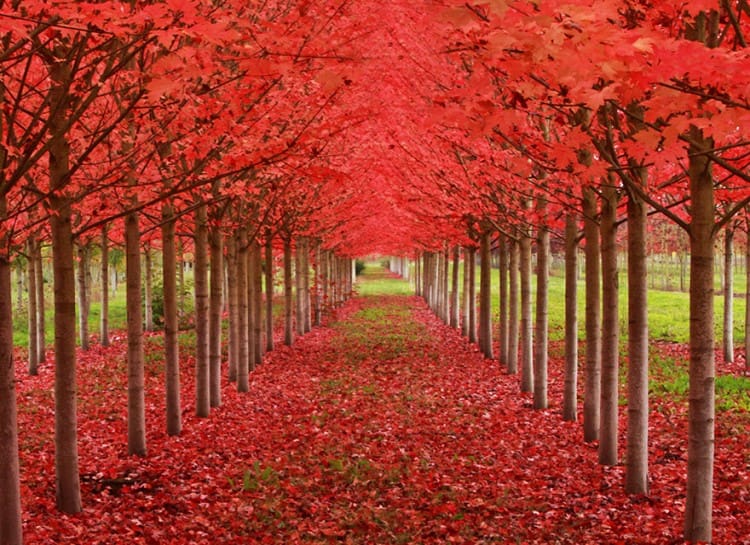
(229,274)
(517,350)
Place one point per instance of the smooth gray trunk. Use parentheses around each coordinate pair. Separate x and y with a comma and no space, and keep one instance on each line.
(10,484)
(527,324)
(485,304)
(570,391)
(608,423)
(728,333)
(513,307)
(701,395)
(593,349)
(541,333)
(104,316)
(171,322)
(636,468)
(201,287)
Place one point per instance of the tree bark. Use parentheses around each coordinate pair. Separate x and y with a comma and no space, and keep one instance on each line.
(41,321)
(570,392)
(418,275)
(608,425)
(136,393)
(701,405)
(299,295)
(148,290)
(252,298)
(68,490)
(728,336)
(306,306)
(104,316)
(234,306)
(593,350)
(200,276)
(465,295)
(445,283)
(455,304)
(269,291)
(472,296)
(180,281)
(527,356)
(216,303)
(485,304)
(20,288)
(82,293)
(318,295)
(636,468)
(257,310)
(10,485)
(33,313)
(513,304)
(502,355)
(171,321)
(288,294)
(542,313)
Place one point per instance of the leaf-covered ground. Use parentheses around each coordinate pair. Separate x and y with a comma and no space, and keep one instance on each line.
(386,427)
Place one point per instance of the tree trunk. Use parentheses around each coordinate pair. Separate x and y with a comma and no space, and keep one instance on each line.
(593,350)
(728,336)
(148,290)
(10,486)
(608,425)
(171,321)
(418,276)
(200,276)
(466,293)
(636,468)
(40,305)
(269,292)
(288,294)
(180,282)
(527,356)
(485,304)
(252,297)
(18,267)
(455,304)
(68,490)
(513,304)
(542,313)
(701,406)
(570,392)
(299,292)
(82,292)
(318,299)
(104,316)
(243,354)
(472,296)
(215,305)
(136,394)
(305,262)
(502,355)
(234,306)
(445,282)
(33,313)
(257,309)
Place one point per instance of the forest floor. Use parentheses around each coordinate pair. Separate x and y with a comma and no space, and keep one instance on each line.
(383,427)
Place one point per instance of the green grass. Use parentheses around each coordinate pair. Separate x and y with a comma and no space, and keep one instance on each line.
(668,311)
(117,317)
(375,281)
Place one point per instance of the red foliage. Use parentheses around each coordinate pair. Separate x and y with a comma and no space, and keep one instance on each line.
(344,439)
